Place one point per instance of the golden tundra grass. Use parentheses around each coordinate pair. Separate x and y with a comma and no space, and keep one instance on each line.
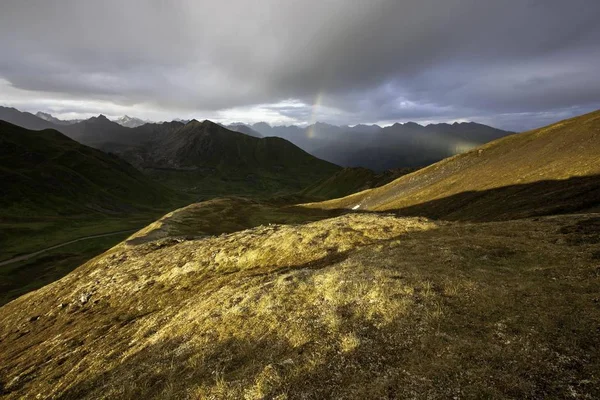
(358,306)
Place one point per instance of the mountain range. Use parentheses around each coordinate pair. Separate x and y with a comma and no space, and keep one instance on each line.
(201,158)
(13,115)
(368,146)
(381,148)
(239,127)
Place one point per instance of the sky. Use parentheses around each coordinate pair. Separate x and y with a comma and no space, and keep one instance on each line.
(512,64)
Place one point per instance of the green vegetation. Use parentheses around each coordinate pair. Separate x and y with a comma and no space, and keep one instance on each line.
(21,277)
(509,172)
(56,190)
(28,235)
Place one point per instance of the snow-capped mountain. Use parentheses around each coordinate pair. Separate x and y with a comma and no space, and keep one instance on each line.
(130,122)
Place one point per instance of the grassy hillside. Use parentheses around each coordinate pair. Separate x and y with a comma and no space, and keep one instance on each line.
(544,171)
(209,160)
(351,180)
(46,173)
(358,306)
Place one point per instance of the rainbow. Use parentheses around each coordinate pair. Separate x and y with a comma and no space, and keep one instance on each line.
(313,116)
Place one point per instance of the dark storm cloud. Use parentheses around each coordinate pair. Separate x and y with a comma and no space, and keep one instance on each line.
(370,61)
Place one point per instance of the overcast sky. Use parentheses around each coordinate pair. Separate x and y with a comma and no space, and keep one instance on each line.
(514,64)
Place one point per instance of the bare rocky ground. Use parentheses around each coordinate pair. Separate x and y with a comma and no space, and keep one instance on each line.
(355,306)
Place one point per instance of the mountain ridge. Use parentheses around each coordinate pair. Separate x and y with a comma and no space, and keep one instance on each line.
(369,146)
(381,148)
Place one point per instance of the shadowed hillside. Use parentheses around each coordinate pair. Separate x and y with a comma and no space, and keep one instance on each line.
(530,170)
(207,159)
(351,180)
(572,195)
(46,173)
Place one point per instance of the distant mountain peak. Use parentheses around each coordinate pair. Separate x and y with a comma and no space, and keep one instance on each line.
(101,120)
(204,124)
(261,125)
(130,122)
(208,122)
(45,116)
(319,123)
(243,128)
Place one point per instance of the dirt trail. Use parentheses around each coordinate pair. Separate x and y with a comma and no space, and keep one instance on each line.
(30,255)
